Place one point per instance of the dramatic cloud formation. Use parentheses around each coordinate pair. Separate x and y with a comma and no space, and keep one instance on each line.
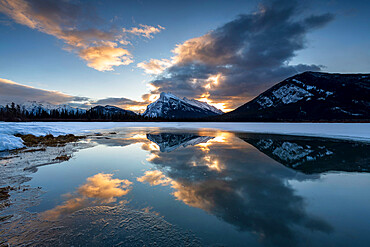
(13,92)
(71,23)
(102,188)
(233,63)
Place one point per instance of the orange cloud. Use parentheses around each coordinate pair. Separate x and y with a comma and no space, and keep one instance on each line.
(100,187)
(155,66)
(105,188)
(103,58)
(62,19)
(188,193)
(154,178)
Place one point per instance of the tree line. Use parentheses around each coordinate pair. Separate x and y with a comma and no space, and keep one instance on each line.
(15,112)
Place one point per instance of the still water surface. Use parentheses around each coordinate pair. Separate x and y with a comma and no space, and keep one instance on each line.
(219,188)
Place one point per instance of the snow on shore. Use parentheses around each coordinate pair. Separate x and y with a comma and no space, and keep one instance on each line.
(9,142)
(349,131)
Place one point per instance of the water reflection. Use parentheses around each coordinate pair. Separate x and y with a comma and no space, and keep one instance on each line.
(247,189)
(98,189)
(313,155)
(244,180)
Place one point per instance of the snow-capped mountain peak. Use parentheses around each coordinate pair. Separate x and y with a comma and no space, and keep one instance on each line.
(35,108)
(171,106)
(203,105)
(167,96)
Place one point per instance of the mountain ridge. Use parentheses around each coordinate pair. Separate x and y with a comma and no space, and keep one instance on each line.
(309,96)
(171,106)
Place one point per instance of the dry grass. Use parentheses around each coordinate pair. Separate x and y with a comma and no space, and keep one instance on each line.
(63,157)
(48,140)
(4,193)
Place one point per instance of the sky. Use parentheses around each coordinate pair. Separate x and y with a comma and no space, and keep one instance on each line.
(124,53)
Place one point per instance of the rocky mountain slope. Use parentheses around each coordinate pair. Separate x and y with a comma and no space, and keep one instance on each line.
(170,106)
(309,96)
(111,110)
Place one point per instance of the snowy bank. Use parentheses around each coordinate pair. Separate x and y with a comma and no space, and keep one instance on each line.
(9,142)
(349,131)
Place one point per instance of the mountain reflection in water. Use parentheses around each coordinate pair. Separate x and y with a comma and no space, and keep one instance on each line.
(244,180)
(226,176)
(229,179)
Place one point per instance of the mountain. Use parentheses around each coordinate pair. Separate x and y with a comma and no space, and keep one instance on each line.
(309,96)
(111,110)
(311,154)
(171,106)
(168,142)
(34,108)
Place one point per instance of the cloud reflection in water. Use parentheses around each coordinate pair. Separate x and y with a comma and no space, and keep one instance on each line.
(246,189)
(99,189)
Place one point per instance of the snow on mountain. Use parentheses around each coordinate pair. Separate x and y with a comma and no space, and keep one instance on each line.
(112,110)
(312,155)
(310,96)
(169,142)
(35,108)
(170,106)
(203,105)
(292,93)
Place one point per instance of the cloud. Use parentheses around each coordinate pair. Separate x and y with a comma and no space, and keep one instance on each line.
(102,188)
(144,30)
(154,178)
(124,103)
(74,24)
(248,54)
(11,91)
(250,191)
(155,66)
(103,58)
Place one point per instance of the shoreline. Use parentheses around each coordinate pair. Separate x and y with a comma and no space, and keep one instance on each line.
(343,131)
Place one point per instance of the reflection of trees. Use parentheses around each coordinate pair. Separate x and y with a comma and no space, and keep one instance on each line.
(250,192)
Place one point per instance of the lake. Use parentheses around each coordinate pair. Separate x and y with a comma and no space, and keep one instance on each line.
(178,187)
